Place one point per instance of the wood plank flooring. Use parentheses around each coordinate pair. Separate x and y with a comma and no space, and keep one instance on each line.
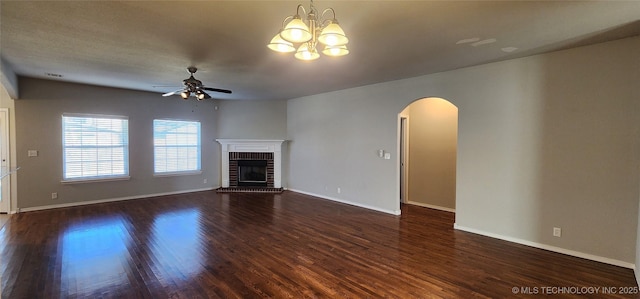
(289,245)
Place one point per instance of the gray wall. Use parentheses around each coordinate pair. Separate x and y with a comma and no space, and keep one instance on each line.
(544,141)
(252,119)
(38,127)
(334,142)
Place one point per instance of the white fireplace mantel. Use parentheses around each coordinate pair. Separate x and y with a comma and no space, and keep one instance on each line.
(252,146)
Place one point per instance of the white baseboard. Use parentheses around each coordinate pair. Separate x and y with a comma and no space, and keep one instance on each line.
(90,202)
(548,247)
(348,202)
(431,206)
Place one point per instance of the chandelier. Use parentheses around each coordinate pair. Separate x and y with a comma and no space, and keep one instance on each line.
(307,36)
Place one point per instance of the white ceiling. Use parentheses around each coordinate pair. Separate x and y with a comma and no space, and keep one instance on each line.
(144,44)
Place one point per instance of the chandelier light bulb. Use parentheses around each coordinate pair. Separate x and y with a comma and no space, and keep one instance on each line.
(296,34)
(278,44)
(306,53)
(333,35)
(184,94)
(331,40)
(335,51)
(296,31)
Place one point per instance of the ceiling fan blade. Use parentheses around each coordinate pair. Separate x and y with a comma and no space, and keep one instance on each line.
(172,93)
(217,89)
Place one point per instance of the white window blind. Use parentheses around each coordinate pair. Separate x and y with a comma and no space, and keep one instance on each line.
(95,147)
(176,146)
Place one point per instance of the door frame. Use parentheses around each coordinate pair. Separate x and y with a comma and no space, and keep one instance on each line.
(404,159)
(5,162)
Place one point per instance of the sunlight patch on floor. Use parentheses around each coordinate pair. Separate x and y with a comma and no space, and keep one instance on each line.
(4,218)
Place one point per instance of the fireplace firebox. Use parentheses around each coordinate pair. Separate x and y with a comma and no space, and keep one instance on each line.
(252,173)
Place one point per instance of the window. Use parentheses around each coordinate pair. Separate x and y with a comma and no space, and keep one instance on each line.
(176,146)
(95,147)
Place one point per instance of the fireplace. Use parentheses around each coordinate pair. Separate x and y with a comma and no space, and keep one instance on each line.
(249,163)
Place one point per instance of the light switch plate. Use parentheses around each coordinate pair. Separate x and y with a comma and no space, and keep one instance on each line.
(32,153)
(387,156)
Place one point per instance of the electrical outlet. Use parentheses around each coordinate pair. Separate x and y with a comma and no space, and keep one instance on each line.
(339,190)
(54,195)
(205,181)
(557,232)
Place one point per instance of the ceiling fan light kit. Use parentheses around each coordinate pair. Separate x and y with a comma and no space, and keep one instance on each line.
(193,86)
(310,35)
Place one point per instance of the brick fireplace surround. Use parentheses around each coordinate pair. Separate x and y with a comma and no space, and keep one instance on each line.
(251,149)
(234,157)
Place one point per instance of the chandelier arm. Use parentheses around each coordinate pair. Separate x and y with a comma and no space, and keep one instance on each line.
(325,11)
(303,10)
(284,22)
(325,22)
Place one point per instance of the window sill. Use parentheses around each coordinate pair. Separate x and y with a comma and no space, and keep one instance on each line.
(96,180)
(177,173)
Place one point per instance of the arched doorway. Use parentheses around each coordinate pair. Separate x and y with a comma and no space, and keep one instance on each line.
(428,151)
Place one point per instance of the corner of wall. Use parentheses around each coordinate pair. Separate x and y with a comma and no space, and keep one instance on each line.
(8,79)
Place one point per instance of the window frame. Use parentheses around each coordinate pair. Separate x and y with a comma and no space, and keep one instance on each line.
(199,149)
(98,178)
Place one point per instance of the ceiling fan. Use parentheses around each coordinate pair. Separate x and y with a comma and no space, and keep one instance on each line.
(193,86)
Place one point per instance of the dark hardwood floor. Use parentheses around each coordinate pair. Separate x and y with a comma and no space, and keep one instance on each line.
(289,245)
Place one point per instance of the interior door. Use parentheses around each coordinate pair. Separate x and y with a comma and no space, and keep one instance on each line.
(4,161)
